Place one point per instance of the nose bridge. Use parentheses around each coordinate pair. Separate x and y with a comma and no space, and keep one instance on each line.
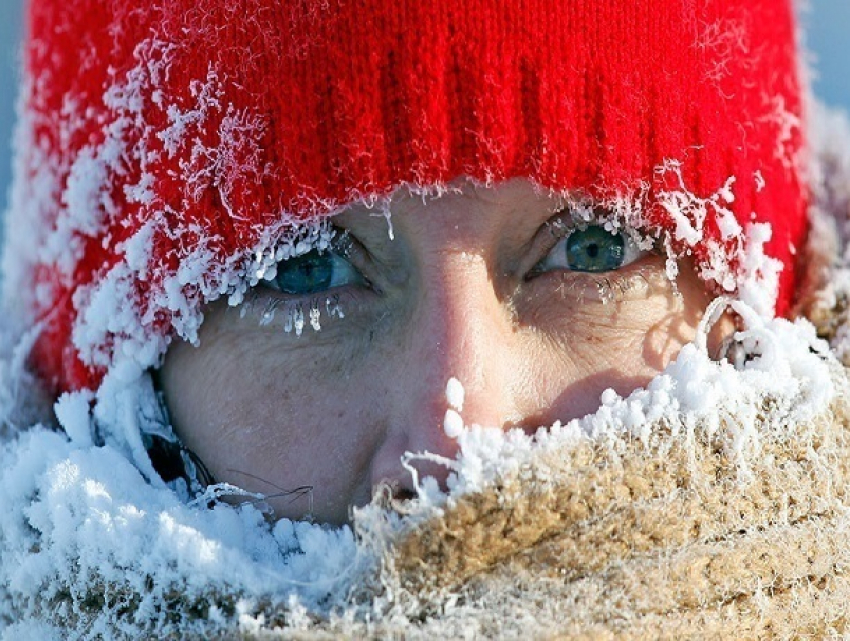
(458,328)
(461,330)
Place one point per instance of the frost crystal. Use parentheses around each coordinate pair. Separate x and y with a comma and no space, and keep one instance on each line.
(455,394)
(453,424)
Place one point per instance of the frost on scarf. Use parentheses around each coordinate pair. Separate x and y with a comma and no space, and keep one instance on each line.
(93,545)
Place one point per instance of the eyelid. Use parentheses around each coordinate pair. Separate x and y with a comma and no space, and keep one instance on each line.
(383,263)
(561,225)
(348,246)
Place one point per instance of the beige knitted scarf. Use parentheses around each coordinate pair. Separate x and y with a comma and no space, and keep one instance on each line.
(619,540)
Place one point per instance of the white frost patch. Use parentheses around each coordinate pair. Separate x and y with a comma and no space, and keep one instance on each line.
(455,394)
(758,279)
(81,523)
(72,412)
(453,424)
(735,262)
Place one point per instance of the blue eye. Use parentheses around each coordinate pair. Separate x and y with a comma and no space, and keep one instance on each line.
(314,272)
(593,249)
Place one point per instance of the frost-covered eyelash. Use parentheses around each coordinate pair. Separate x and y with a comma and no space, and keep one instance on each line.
(611,287)
(298,313)
(303,311)
(614,288)
(560,228)
(342,242)
(608,288)
(579,215)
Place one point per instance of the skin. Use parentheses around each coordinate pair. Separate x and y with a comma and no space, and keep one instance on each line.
(454,294)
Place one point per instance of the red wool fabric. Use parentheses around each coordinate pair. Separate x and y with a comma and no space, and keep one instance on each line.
(357,97)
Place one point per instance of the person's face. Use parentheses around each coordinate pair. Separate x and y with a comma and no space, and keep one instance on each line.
(484,285)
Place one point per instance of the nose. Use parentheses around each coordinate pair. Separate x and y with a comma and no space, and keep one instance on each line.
(459,329)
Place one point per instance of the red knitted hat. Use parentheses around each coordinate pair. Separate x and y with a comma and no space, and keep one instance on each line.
(169,148)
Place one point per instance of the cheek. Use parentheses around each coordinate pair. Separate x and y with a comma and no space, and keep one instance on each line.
(252,408)
(584,347)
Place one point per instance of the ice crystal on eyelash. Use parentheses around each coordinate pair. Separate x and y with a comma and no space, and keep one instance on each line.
(623,214)
(294,319)
(604,290)
(294,310)
(297,239)
(298,319)
(385,211)
(609,288)
(314,317)
(268,315)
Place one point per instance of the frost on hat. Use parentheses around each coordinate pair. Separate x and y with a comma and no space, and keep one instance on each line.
(170,150)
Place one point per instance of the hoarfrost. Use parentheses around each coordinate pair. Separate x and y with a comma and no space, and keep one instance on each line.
(453,424)
(455,394)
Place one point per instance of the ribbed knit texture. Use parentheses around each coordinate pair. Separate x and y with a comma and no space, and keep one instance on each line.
(318,104)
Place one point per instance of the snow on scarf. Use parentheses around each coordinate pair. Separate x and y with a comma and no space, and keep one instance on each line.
(712,502)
